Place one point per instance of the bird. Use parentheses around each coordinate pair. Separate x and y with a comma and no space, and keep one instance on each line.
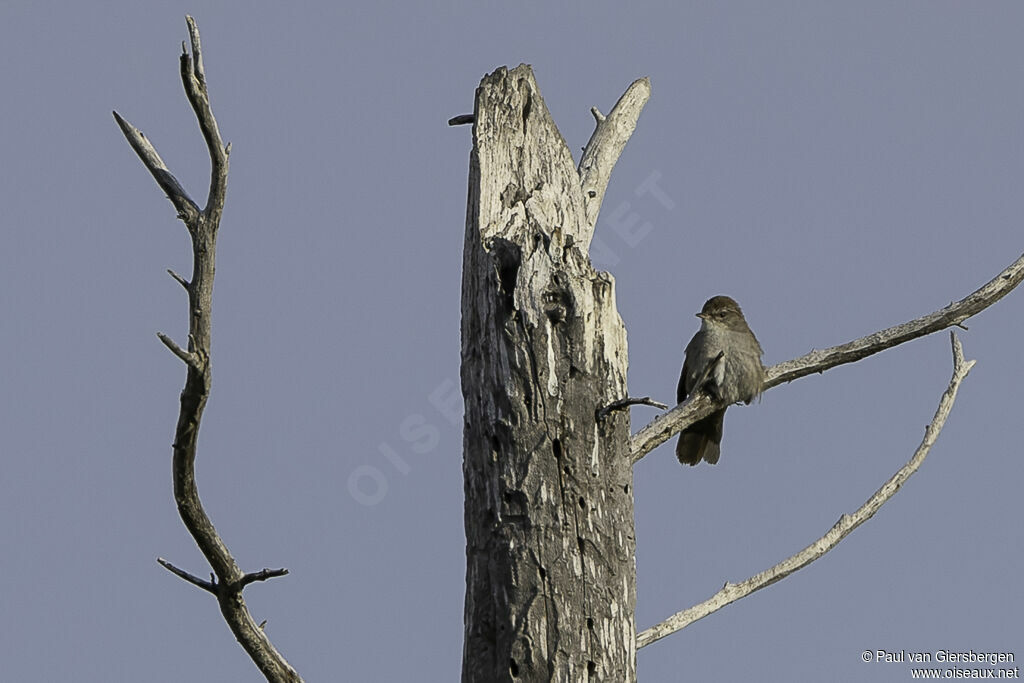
(724,360)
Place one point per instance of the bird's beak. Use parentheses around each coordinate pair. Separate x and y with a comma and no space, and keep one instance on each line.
(701,316)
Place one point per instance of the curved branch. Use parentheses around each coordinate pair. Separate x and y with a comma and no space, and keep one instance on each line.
(227,580)
(610,136)
(663,427)
(732,592)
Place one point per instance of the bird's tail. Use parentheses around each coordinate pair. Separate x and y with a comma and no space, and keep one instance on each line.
(702,440)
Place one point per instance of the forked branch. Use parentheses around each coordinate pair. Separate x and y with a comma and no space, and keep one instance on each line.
(668,424)
(227,579)
(732,592)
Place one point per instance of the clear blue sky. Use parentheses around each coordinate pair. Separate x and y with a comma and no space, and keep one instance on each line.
(835,167)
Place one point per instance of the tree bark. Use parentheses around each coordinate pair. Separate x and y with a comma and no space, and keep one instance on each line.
(550,581)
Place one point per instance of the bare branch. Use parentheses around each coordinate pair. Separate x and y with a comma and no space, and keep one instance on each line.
(197,53)
(610,136)
(602,413)
(952,315)
(732,592)
(181,281)
(193,77)
(227,580)
(261,575)
(663,427)
(187,209)
(194,580)
(186,356)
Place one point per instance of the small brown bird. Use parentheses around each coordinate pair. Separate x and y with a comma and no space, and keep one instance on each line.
(737,376)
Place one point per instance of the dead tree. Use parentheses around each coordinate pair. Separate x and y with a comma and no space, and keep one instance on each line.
(548,452)
(227,580)
(550,579)
(549,504)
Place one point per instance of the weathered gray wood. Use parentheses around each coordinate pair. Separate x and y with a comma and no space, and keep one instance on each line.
(550,585)
(731,592)
(228,580)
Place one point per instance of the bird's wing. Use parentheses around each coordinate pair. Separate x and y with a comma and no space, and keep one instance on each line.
(681,387)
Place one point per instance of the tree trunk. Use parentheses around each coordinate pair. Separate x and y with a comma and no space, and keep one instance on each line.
(550,580)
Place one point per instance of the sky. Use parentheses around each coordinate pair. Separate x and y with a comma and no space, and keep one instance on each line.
(835,167)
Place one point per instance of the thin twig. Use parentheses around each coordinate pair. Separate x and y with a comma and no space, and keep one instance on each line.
(261,575)
(732,592)
(194,580)
(663,427)
(626,402)
(188,357)
(181,281)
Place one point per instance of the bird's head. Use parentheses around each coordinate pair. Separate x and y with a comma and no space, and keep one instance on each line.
(722,311)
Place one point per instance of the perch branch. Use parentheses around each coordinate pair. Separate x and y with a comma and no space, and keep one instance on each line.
(611,133)
(227,580)
(663,427)
(732,592)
